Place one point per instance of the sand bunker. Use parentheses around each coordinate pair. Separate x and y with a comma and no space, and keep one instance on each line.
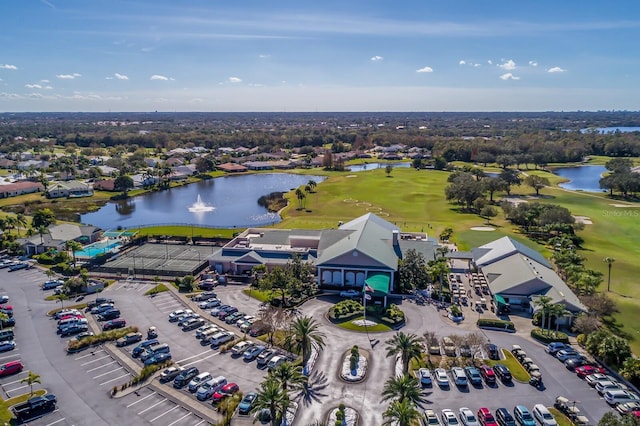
(364,323)
(483,228)
(583,219)
(514,200)
(351,176)
(624,205)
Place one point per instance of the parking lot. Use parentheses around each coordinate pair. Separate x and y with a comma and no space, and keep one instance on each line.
(156,409)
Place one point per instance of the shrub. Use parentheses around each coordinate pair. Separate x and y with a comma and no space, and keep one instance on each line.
(546,337)
(339,416)
(496,323)
(354,351)
(353,362)
(341,407)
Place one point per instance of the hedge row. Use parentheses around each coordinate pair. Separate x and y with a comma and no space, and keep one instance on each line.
(496,323)
(548,337)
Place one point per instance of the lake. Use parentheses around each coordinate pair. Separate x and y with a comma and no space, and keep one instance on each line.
(582,178)
(373,166)
(605,130)
(232,201)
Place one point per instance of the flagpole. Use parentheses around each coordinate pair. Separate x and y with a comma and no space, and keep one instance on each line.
(364,304)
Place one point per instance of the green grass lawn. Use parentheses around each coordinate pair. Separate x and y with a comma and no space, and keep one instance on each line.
(517,370)
(349,325)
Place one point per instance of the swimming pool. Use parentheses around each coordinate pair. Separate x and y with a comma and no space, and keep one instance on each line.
(97,248)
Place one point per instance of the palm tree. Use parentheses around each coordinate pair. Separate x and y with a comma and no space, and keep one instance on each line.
(21,221)
(304,332)
(403,388)
(30,380)
(42,230)
(609,261)
(272,397)
(312,184)
(401,414)
(73,247)
(545,305)
(61,298)
(300,196)
(407,345)
(289,376)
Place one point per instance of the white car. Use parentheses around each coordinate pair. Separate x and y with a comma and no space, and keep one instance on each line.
(173,316)
(468,418)
(241,347)
(431,418)
(253,352)
(543,415)
(607,385)
(441,377)
(448,418)
(425,377)
(593,379)
(211,303)
(350,293)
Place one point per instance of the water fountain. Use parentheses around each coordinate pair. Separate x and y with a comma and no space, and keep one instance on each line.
(200,207)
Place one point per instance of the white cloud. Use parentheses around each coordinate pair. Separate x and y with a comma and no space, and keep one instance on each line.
(121,76)
(556,69)
(425,69)
(263,56)
(508,65)
(376,58)
(8,67)
(33,86)
(44,81)
(159,77)
(235,80)
(490,62)
(509,76)
(68,76)
(462,62)
(477,65)
(533,63)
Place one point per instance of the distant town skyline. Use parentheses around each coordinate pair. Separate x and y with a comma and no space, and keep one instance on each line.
(205,55)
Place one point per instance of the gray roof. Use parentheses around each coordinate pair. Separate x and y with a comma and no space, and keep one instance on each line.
(369,235)
(426,248)
(504,247)
(521,275)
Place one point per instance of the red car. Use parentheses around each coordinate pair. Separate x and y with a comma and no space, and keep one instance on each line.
(226,391)
(488,374)
(486,418)
(585,370)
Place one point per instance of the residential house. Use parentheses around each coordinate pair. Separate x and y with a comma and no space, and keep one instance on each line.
(56,236)
(104,184)
(20,188)
(69,189)
(232,168)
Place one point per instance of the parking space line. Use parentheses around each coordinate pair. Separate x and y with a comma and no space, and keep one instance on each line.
(185,416)
(108,372)
(57,421)
(113,380)
(198,360)
(102,366)
(166,412)
(167,302)
(95,360)
(199,423)
(141,399)
(193,356)
(11,356)
(91,354)
(149,408)
(15,389)
(10,383)
(171,309)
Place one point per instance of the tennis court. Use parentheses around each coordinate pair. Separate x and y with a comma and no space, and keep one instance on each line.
(163,260)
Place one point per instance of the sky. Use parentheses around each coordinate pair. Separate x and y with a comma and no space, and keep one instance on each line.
(353,55)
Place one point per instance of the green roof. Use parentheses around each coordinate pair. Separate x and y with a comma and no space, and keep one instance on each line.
(379,283)
(499,299)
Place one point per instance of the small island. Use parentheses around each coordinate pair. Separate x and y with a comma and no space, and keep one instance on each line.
(354,365)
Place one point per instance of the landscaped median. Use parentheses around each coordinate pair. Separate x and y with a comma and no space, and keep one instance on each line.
(496,324)
(517,370)
(349,314)
(354,365)
(108,336)
(6,416)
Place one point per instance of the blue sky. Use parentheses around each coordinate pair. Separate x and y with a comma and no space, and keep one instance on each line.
(466,55)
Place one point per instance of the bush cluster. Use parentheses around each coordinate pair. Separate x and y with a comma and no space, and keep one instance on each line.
(496,323)
(354,358)
(546,337)
(347,308)
(107,336)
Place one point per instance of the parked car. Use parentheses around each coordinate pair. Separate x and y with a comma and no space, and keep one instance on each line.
(233,317)
(441,377)
(203,329)
(142,347)
(425,377)
(253,352)
(628,407)
(201,378)
(593,379)
(208,304)
(221,338)
(101,308)
(9,368)
(224,392)
(265,357)
(173,316)
(492,351)
(488,375)
(467,417)
(185,377)
(215,311)
(18,266)
(111,314)
(448,418)
(431,418)
(276,361)
(473,374)
(607,385)
(184,319)
(80,336)
(113,324)
(503,373)
(504,417)
(523,416)
(486,418)
(158,359)
(7,345)
(459,378)
(208,388)
(240,347)
(543,415)
(192,324)
(170,374)
(129,339)
(619,396)
(565,354)
(230,310)
(257,330)
(586,370)
(553,347)
(51,284)
(247,403)
(350,293)
(572,363)
(73,329)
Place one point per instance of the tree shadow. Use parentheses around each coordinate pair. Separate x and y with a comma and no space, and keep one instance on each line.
(616,327)
(312,391)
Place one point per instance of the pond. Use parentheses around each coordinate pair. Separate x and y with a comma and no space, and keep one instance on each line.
(581,178)
(225,202)
(372,166)
(605,130)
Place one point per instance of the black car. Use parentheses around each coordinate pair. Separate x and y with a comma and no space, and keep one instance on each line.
(109,315)
(73,329)
(8,322)
(504,418)
(492,351)
(503,373)
(185,377)
(574,362)
(99,301)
